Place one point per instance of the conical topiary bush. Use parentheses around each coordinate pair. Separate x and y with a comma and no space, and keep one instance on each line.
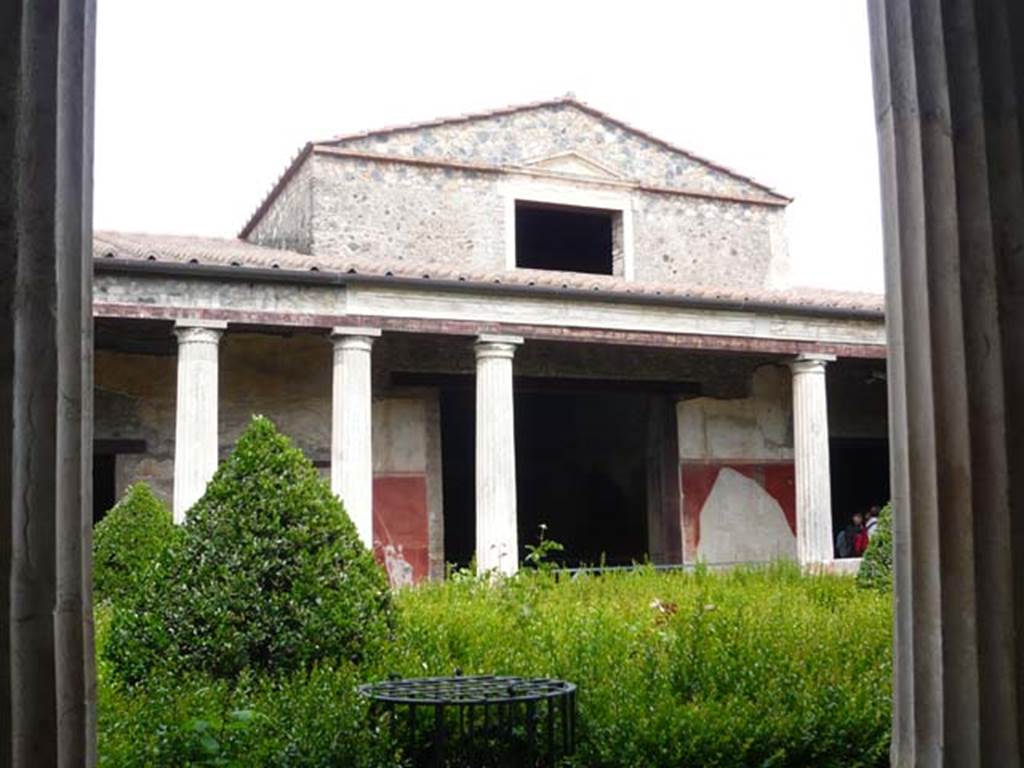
(125,543)
(269,574)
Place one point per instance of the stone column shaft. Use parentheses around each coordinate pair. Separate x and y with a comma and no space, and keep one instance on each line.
(497,538)
(352,426)
(195,430)
(810,438)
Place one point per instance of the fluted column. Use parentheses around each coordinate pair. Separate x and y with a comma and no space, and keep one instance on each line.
(497,537)
(352,426)
(810,447)
(949,96)
(195,430)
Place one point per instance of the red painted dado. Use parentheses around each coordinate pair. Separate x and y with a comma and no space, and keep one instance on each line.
(400,526)
(698,479)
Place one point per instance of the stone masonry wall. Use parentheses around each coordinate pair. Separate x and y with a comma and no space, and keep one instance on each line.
(707,242)
(385,212)
(521,137)
(288,223)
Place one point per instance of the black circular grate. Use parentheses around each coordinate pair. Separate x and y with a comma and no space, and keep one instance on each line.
(479,720)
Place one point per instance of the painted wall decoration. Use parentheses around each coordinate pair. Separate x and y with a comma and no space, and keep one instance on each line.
(400,527)
(738,511)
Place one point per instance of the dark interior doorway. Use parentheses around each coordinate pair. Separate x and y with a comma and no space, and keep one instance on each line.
(104,472)
(104,484)
(860,476)
(584,465)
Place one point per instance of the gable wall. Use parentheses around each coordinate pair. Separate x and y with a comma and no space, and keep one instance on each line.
(402,213)
(520,137)
(288,223)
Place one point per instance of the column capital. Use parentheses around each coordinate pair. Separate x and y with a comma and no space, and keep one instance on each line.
(193,331)
(810,362)
(489,345)
(354,337)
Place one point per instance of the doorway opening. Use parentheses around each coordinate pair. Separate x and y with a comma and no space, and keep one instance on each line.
(859,472)
(595,467)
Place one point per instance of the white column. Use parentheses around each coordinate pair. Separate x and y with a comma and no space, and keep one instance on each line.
(497,538)
(810,444)
(195,429)
(352,426)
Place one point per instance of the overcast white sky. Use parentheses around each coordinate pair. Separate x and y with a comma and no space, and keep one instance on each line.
(200,104)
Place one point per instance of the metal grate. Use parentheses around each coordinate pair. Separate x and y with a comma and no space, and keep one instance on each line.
(480,721)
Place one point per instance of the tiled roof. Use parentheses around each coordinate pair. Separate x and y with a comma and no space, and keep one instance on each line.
(229,252)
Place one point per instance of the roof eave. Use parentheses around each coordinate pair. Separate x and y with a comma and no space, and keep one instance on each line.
(262,274)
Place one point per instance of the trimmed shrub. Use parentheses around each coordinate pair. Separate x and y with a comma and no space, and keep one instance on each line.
(269,574)
(126,543)
(876,567)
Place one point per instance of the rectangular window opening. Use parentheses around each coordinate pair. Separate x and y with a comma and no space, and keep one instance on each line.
(568,239)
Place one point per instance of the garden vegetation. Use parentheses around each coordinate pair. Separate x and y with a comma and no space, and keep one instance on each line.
(245,646)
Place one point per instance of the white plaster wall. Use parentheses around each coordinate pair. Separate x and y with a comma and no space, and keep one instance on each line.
(399,435)
(755,428)
(742,523)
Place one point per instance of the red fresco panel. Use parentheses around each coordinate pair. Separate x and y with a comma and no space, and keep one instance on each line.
(780,483)
(698,479)
(400,527)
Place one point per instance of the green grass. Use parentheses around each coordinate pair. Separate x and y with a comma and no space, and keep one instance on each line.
(747,668)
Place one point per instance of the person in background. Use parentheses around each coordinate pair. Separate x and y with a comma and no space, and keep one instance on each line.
(846,540)
(871,525)
(860,535)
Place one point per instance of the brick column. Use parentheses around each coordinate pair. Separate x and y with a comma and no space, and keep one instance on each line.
(352,426)
(195,429)
(813,485)
(497,538)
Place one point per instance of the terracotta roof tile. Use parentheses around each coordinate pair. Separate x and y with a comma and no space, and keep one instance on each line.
(230,252)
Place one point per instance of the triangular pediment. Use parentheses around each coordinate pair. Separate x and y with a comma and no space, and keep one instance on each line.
(562,137)
(572,164)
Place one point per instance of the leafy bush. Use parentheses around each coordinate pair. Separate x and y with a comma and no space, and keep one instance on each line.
(126,543)
(876,567)
(269,574)
(314,718)
(746,668)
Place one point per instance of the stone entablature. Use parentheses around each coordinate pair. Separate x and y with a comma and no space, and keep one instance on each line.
(310,300)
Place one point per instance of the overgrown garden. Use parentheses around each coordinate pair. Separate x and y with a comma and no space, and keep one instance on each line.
(238,639)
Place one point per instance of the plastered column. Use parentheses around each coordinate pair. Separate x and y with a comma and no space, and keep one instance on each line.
(497,538)
(352,426)
(195,429)
(810,444)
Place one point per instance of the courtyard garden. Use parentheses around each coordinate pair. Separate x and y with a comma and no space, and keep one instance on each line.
(238,639)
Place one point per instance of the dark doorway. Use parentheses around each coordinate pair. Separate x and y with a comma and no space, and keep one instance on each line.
(104,484)
(563,238)
(860,476)
(584,469)
(458,458)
